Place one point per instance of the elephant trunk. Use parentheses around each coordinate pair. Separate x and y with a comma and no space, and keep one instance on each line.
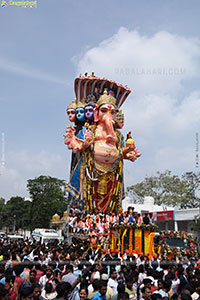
(109,128)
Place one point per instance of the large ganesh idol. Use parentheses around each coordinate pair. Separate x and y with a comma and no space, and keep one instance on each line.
(97,178)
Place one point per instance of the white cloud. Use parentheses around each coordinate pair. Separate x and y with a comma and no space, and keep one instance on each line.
(153,116)
(188,114)
(164,131)
(21,166)
(163,117)
(146,64)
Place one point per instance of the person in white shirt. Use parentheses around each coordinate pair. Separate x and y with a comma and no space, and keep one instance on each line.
(46,278)
(175,283)
(112,282)
(166,288)
(142,274)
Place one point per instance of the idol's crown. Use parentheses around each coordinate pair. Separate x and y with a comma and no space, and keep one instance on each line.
(106,99)
(72,105)
(81,103)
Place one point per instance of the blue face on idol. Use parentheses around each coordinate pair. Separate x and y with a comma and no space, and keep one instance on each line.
(80,114)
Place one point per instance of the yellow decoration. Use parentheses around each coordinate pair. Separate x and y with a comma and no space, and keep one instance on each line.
(147,241)
(138,240)
(122,248)
(106,99)
(130,141)
(72,105)
(64,216)
(55,218)
(81,103)
(102,186)
(131,240)
(112,238)
(119,240)
(151,244)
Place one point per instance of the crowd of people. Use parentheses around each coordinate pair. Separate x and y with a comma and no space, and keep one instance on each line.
(93,223)
(78,272)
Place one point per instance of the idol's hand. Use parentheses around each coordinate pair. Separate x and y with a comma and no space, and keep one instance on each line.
(131,156)
(128,148)
(88,139)
(69,136)
(70,132)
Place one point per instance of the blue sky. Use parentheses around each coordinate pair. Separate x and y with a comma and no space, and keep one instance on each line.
(137,43)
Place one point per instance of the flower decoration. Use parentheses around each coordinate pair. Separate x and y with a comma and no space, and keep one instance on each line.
(150,227)
(179,252)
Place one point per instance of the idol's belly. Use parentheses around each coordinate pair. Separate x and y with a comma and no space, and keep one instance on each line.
(105,153)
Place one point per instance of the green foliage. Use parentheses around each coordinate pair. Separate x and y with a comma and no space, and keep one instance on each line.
(2,205)
(15,211)
(2,202)
(168,189)
(48,197)
(18,209)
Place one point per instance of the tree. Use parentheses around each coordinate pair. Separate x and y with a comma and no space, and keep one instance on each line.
(48,197)
(2,205)
(2,202)
(193,186)
(17,213)
(168,189)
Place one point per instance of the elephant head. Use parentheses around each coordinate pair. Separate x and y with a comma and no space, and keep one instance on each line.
(105,116)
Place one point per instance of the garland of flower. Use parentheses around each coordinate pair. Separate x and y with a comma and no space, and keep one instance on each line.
(151,227)
(176,251)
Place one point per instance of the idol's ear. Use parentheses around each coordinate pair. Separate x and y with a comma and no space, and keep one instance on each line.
(96,115)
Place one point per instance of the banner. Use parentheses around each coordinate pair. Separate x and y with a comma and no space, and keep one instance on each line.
(165,215)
